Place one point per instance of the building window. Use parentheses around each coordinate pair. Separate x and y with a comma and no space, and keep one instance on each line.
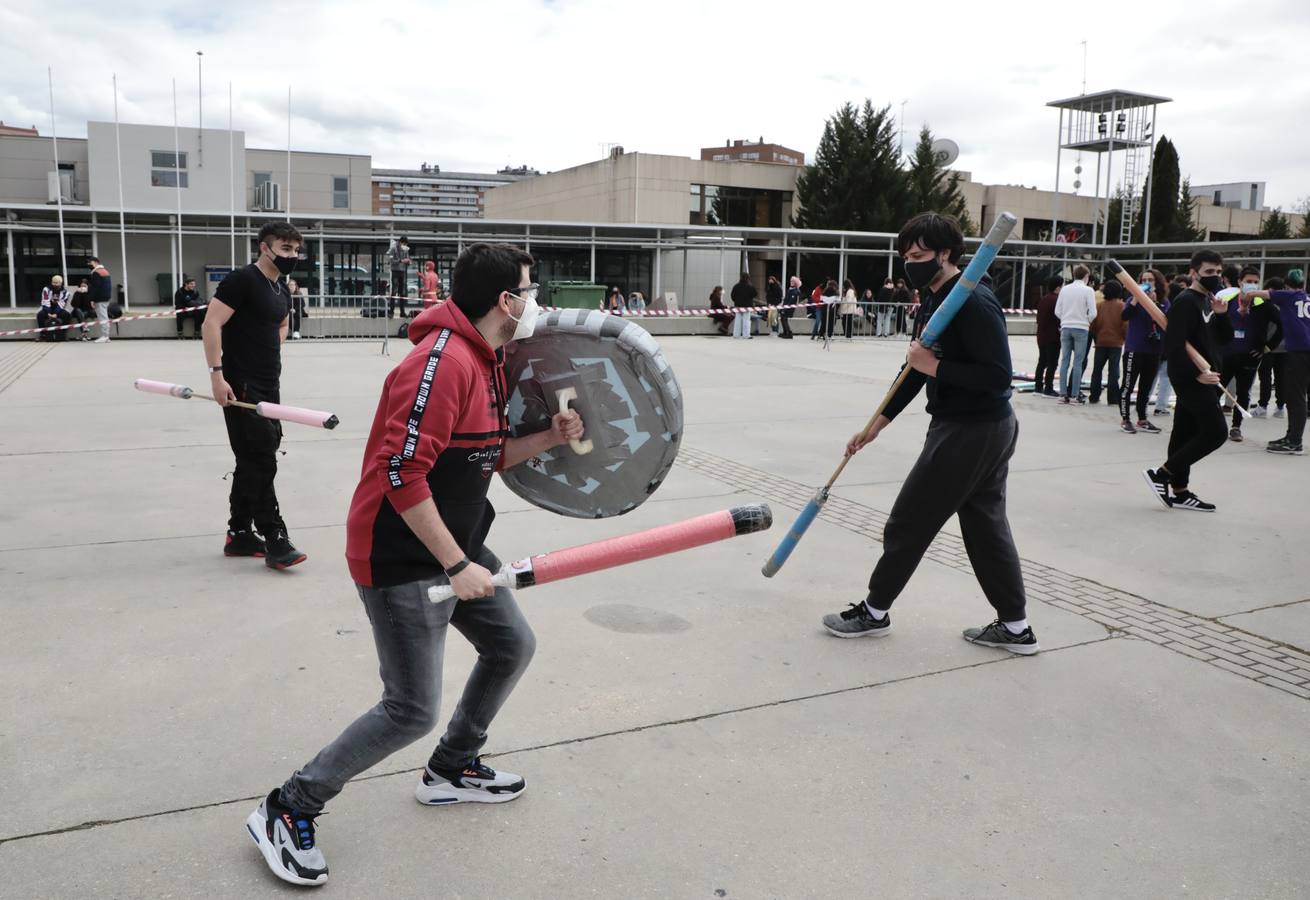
(167,169)
(262,178)
(340,193)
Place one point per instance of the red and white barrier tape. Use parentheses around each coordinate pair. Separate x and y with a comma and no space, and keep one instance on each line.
(647,313)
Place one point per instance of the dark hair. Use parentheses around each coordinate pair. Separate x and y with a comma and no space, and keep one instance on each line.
(830,286)
(482,273)
(93,259)
(745,277)
(1275,284)
(848,285)
(1201,257)
(1248,270)
(282,231)
(1080,271)
(1232,274)
(1112,290)
(402,240)
(1054,283)
(934,231)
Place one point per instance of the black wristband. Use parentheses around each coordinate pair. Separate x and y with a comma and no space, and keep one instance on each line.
(458,567)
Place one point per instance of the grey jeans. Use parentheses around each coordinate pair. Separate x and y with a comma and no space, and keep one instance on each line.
(410,633)
(961,471)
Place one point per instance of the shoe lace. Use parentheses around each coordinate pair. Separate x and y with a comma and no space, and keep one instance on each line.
(855,611)
(304,823)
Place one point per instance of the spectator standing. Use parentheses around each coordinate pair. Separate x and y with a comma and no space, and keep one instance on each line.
(1075,307)
(1048,339)
(1108,330)
(430,290)
(849,304)
(296,301)
(100,288)
(399,259)
(743,298)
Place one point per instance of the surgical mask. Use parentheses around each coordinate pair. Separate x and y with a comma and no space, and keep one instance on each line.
(1212,283)
(921,274)
(1249,287)
(1145,286)
(527,320)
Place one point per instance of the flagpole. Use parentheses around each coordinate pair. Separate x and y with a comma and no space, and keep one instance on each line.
(288,153)
(59,184)
(122,218)
(231,182)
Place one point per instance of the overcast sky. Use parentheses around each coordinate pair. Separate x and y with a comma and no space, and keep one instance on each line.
(481,85)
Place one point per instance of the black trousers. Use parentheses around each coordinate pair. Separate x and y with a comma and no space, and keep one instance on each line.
(784,320)
(961,471)
(48,318)
(1239,367)
(1296,372)
(1107,359)
(195,315)
(255,442)
(399,292)
(1048,360)
(1271,377)
(1139,369)
(848,325)
(1199,429)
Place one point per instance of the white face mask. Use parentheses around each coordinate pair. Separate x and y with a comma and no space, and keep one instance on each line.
(527,320)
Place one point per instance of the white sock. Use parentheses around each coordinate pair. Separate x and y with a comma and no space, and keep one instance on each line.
(878,614)
(1018,627)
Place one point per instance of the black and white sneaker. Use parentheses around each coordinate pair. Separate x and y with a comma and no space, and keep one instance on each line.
(475,783)
(1284,447)
(243,543)
(286,838)
(1159,485)
(856,621)
(997,635)
(1188,500)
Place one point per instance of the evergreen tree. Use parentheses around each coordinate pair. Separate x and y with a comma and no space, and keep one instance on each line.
(1188,228)
(1165,179)
(1303,208)
(932,187)
(855,182)
(1277,226)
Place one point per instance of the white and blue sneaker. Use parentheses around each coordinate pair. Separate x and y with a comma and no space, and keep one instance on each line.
(286,838)
(474,783)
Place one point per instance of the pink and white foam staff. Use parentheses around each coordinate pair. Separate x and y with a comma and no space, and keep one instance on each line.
(315,418)
(628,548)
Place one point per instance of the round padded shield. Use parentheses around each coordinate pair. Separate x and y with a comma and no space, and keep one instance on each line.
(612,372)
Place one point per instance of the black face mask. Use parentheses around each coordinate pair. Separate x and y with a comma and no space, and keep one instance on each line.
(284,264)
(921,274)
(1212,283)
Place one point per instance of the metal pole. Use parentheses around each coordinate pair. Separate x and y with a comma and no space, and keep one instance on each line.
(13,285)
(59,184)
(322,272)
(177,179)
(1096,199)
(1055,197)
(593,254)
(1023,280)
(122,213)
(1150,174)
(231,183)
(288,203)
(1109,173)
(659,265)
(636,187)
(200,107)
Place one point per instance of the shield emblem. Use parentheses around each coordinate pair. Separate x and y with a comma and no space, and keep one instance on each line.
(613,373)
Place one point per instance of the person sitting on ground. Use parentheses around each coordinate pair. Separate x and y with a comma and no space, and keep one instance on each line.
(636,302)
(186,297)
(54,310)
(722,320)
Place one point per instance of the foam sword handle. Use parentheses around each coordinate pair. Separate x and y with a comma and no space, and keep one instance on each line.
(180,391)
(629,548)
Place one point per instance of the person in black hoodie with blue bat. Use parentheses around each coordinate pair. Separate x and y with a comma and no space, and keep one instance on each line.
(965,461)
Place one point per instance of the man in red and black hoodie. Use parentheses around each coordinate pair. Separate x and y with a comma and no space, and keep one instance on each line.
(419,518)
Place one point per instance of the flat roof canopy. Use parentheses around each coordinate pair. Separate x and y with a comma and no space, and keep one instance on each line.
(1104,101)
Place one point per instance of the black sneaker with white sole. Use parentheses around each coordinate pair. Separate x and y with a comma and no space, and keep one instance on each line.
(1188,500)
(997,635)
(286,839)
(474,783)
(1284,447)
(856,621)
(1159,485)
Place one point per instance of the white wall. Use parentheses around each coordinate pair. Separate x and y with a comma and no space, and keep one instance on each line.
(25,163)
(208,176)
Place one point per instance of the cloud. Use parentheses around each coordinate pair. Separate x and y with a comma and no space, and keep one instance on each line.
(479,86)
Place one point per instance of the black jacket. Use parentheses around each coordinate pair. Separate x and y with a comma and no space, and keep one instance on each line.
(744,294)
(1187,324)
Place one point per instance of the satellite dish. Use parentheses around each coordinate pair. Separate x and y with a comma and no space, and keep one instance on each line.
(945,151)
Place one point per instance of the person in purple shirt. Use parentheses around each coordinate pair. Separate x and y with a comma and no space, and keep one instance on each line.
(1294,314)
(1143,345)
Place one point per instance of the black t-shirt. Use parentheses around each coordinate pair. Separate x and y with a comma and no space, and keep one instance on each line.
(252,346)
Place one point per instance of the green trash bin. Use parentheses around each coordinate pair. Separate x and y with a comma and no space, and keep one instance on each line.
(166,288)
(576,295)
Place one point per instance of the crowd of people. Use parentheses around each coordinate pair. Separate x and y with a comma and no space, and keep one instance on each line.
(889,312)
(1260,331)
(89,301)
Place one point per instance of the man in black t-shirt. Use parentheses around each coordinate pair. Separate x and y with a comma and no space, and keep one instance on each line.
(244,330)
